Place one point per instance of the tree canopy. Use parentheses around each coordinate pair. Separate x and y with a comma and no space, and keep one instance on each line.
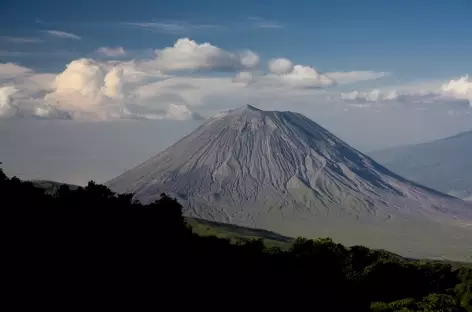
(89,247)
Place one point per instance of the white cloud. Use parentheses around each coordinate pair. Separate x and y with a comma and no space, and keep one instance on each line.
(87,89)
(36,82)
(113,83)
(93,90)
(460,88)
(190,91)
(84,76)
(377,95)
(453,92)
(370,96)
(15,102)
(280,66)
(355,76)
(243,77)
(29,80)
(50,112)
(249,59)
(63,34)
(112,52)
(98,90)
(141,89)
(7,108)
(179,112)
(187,54)
(282,73)
(306,77)
(9,70)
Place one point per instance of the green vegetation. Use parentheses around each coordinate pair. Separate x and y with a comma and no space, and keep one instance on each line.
(88,245)
(238,234)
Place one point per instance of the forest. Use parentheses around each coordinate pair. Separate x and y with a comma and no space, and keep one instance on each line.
(91,248)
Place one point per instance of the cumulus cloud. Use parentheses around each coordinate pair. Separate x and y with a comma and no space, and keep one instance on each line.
(180,112)
(460,88)
(308,77)
(244,77)
(280,66)
(34,84)
(9,70)
(7,108)
(161,87)
(30,81)
(401,96)
(112,52)
(249,59)
(63,35)
(113,83)
(283,73)
(187,54)
(49,112)
(102,90)
(453,92)
(15,102)
(88,89)
(370,96)
(84,76)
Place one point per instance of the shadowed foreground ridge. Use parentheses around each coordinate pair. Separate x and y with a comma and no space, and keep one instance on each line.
(283,172)
(91,246)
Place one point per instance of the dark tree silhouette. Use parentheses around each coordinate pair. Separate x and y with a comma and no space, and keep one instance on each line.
(90,247)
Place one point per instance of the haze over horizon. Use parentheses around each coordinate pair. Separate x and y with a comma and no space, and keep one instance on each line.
(89,89)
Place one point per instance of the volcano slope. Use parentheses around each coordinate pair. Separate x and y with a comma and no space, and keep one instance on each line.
(282,172)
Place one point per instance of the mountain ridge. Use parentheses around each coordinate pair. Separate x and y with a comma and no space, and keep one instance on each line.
(442,164)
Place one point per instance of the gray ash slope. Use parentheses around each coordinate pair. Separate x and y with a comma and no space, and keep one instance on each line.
(283,172)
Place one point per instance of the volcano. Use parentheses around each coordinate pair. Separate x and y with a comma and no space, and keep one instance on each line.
(283,172)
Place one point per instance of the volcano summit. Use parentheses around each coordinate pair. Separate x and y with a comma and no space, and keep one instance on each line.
(283,172)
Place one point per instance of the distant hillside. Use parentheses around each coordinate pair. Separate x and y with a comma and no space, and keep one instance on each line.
(444,165)
(50,186)
(238,233)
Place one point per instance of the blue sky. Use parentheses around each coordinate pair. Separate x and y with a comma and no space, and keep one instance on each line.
(413,39)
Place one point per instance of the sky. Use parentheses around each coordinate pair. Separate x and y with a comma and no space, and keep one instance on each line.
(140,75)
